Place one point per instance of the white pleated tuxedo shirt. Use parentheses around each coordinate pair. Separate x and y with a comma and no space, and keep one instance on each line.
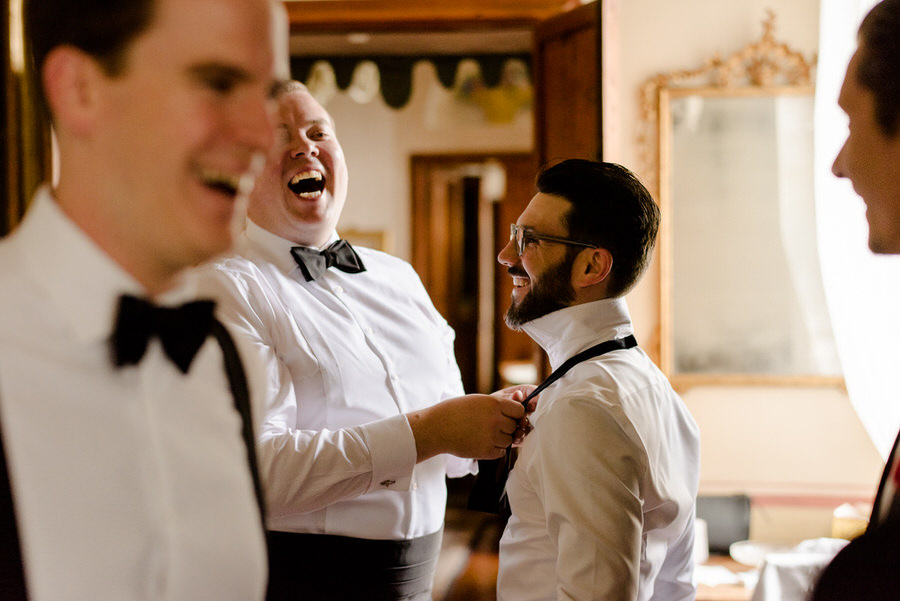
(131,483)
(603,492)
(348,355)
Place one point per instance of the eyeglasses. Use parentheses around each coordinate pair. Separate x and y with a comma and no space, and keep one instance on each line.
(522,236)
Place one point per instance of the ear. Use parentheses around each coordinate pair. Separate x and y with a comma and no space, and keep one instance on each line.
(70,78)
(591,268)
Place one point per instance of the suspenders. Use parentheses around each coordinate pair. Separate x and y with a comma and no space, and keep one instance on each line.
(237,381)
(12,574)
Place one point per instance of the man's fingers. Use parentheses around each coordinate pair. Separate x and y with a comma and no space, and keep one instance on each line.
(513,410)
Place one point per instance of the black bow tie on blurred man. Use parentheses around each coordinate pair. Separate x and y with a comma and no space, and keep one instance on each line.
(181,330)
(313,262)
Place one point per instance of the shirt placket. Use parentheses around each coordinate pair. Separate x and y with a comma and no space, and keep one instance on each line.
(369,332)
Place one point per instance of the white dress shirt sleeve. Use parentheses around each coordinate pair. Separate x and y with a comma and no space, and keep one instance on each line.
(457,467)
(305,470)
(592,500)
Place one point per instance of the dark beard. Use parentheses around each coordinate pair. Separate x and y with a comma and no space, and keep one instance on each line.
(553,291)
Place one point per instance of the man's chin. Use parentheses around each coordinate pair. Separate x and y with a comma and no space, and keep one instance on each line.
(516,318)
(881,245)
(512,323)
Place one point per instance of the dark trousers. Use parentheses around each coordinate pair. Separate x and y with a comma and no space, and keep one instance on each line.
(323,567)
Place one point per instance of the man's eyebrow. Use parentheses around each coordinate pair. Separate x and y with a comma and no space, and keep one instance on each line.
(275,88)
(218,71)
(319,123)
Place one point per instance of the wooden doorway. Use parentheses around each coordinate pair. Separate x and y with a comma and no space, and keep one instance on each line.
(461,210)
(566,64)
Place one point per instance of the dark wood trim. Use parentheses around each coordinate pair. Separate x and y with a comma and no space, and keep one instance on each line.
(563,22)
(26,135)
(8,96)
(328,16)
(437,230)
(554,41)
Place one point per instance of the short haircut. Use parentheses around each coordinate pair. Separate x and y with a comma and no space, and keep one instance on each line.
(103,29)
(878,67)
(289,86)
(611,209)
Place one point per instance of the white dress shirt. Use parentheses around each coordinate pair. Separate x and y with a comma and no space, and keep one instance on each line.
(603,492)
(348,355)
(128,483)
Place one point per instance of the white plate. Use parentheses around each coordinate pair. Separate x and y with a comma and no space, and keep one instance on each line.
(753,553)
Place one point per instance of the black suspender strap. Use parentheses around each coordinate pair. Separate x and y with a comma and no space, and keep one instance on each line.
(595,351)
(12,573)
(237,381)
(489,490)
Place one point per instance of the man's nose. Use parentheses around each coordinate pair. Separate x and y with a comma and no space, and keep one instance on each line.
(303,146)
(837,168)
(508,255)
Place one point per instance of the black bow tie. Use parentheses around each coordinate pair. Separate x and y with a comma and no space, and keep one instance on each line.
(314,262)
(182,330)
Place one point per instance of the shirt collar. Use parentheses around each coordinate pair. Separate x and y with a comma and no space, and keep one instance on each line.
(272,247)
(570,330)
(81,280)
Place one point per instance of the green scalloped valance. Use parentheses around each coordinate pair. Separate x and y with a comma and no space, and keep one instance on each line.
(396,71)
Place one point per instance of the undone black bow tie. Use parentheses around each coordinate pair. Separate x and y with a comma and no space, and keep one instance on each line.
(313,262)
(489,492)
(181,330)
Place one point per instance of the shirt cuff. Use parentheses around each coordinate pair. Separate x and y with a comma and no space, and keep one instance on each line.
(393,451)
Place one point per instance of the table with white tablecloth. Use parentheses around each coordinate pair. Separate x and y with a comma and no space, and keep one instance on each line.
(790,575)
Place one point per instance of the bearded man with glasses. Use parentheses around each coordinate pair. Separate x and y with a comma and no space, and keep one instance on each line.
(604,490)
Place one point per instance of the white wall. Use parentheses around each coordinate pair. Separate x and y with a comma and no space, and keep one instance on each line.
(378,142)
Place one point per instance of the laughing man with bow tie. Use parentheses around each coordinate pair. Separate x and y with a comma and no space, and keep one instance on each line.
(363,415)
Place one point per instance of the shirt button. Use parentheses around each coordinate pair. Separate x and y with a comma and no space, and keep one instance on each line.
(369,331)
(338,290)
(394,377)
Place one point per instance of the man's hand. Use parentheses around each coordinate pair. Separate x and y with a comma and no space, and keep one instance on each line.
(475,426)
(518,393)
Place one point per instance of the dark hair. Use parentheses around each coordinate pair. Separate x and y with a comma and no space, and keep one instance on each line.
(879,62)
(103,29)
(610,209)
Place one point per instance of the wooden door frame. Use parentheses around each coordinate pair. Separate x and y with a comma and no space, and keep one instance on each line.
(431,242)
(576,22)
(348,16)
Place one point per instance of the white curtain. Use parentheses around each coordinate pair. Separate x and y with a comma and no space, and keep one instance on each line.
(862,289)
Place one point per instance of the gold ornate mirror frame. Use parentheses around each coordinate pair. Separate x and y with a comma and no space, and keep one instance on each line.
(723,96)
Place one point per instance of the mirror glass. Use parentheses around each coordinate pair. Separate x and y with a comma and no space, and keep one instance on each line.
(743,290)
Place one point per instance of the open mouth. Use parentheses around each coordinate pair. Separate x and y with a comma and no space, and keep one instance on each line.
(519,282)
(307,184)
(225,183)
